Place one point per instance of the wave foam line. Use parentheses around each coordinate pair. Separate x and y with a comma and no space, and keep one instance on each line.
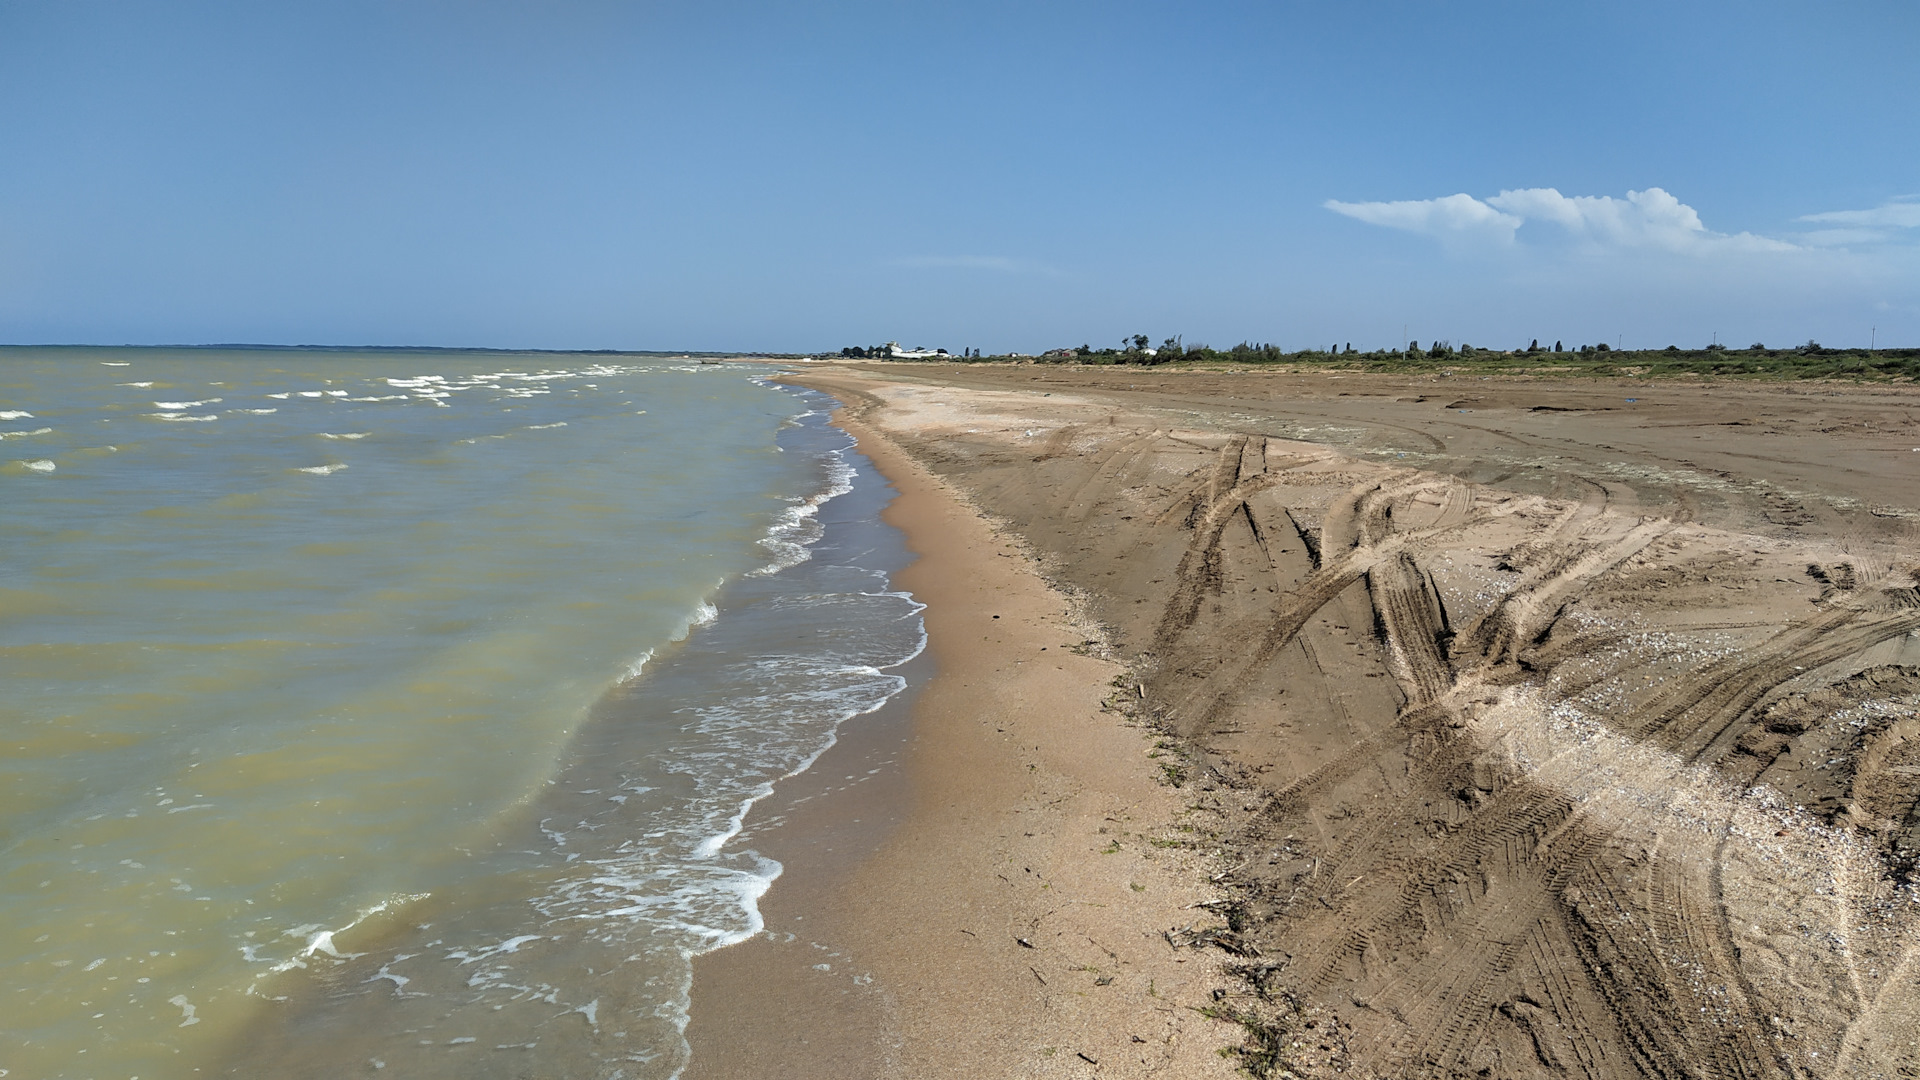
(792,536)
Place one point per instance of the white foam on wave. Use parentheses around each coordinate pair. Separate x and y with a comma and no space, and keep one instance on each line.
(116,363)
(15,414)
(345,435)
(181,418)
(511,945)
(793,534)
(41,465)
(543,427)
(24,434)
(703,615)
(322,470)
(637,666)
(319,939)
(177,406)
(254,412)
(141,385)
(840,694)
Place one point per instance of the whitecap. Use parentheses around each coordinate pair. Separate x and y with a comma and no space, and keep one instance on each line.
(322,942)
(321,470)
(178,405)
(40,466)
(182,418)
(116,363)
(15,414)
(637,665)
(345,435)
(399,981)
(703,615)
(141,385)
(23,434)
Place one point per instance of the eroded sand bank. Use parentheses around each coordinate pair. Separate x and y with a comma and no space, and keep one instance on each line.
(1548,729)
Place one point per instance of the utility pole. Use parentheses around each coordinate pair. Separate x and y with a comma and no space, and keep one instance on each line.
(1873,340)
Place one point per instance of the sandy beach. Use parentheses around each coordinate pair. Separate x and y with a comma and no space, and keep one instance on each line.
(1378,726)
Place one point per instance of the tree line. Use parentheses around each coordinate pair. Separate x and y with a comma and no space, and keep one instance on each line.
(1808,360)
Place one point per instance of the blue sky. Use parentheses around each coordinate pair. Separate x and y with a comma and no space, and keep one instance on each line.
(1005,176)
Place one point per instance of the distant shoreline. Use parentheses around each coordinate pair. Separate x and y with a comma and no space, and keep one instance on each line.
(1801,363)
(689,354)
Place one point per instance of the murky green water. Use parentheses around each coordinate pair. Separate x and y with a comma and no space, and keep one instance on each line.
(301,652)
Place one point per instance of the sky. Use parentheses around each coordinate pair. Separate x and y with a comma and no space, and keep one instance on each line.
(1005,176)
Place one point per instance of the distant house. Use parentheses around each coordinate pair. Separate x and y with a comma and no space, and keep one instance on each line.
(895,352)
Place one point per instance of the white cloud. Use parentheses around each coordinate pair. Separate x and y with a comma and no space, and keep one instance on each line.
(1452,216)
(1880,225)
(1644,219)
(1899,214)
(1841,237)
(1650,218)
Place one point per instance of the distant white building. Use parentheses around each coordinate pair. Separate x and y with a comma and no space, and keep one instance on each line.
(895,352)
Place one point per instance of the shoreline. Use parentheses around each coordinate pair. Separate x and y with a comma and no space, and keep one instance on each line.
(1009,922)
(760,689)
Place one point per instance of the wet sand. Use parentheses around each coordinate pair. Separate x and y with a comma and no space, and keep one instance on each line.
(1526,728)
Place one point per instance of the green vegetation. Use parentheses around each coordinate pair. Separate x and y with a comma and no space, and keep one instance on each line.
(1809,361)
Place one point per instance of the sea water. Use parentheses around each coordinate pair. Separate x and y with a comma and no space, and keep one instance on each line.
(395,713)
